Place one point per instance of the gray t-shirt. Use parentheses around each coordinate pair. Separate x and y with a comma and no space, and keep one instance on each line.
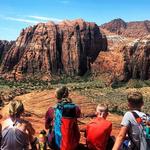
(13,138)
(135,131)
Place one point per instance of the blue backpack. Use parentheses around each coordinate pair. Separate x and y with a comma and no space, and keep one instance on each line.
(66,132)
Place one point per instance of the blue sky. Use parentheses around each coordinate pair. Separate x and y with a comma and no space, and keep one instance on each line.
(18,14)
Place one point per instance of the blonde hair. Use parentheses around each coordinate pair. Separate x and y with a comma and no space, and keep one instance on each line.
(16,108)
(102,108)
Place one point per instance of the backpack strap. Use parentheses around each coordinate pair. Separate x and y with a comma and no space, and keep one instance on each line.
(139,121)
(137,117)
(61,104)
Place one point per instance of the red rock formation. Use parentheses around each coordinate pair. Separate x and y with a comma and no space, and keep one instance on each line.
(115,26)
(4,47)
(47,48)
(73,47)
(129,60)
(110,65)
(135,29)
(137,57)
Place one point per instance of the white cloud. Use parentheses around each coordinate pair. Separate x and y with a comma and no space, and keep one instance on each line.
(22,20)
(39,17)
(31,19)
(45,18)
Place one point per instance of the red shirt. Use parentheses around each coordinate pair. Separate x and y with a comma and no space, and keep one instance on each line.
(98,132)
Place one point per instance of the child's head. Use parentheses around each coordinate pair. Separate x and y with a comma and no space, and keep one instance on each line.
(62,92)
(102,110)
(135,100)
(16,108)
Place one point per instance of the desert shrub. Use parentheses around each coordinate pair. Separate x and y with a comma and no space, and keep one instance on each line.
(133,83)
(147,82)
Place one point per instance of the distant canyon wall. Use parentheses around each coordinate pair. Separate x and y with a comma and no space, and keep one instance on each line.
(128,59)
(135,29)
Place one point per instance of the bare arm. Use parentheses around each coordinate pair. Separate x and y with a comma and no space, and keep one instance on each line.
(120,138)
(30,131)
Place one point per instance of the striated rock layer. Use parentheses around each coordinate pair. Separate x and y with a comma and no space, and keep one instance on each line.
(129,60)
(4,47)
(137,57)
(136,29)
(48,48)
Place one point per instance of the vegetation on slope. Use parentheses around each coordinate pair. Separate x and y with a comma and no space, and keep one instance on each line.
(96,90)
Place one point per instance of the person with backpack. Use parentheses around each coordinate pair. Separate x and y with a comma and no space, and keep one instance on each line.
(134,124)
(17,133)
(99,129)
(62,122)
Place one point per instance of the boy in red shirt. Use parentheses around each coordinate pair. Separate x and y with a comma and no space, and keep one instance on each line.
(99,129)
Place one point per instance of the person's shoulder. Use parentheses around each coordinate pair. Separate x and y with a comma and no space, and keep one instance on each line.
(50,110)
(127,119)
(108,123)
(127,114)
(6,121)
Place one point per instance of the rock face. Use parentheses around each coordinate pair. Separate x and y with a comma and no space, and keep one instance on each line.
(4,47)
(110,65)
(47,48)
(135,29)
(137,57)
(131,60)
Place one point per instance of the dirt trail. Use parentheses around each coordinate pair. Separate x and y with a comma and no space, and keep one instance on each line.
(37,103)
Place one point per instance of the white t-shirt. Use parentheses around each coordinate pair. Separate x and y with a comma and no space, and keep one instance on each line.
(135,131)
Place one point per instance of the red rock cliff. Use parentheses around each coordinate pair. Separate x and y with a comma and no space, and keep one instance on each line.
(137,57)
(130,59)
(48,48)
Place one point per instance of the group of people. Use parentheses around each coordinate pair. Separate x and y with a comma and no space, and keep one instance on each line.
(63,133)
